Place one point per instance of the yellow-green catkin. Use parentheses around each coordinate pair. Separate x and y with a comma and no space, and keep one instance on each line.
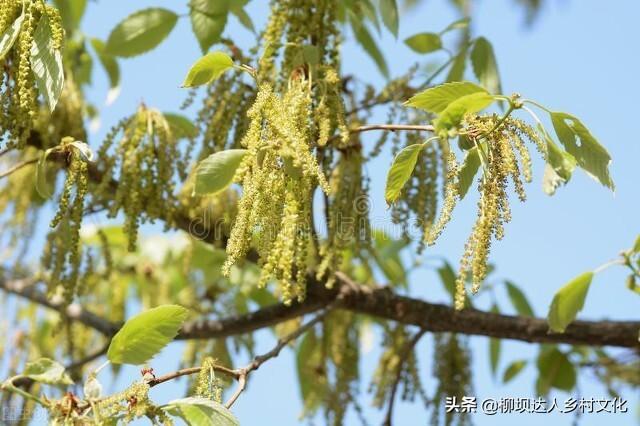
(348,210)
(222,119)
(207,384)
(452,370)
(504,157)
(18,91)
(63,254)
(278,176)
(148,159)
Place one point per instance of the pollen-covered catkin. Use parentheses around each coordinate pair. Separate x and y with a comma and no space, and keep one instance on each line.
(147,158)
(18,91)
(348,210)
(499,144)
(63,253)
(278,176)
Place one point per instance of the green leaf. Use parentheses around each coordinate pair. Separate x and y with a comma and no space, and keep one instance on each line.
(363,36)
(460,24)
(424,42)
(305,352)
(236,7)
(145,334)
(10,36)
(387,255)
(448,279)
(485,65)
(455,112)
(401,170)
(436,99)
(568,301)
(310,366)
(109,62)
(46,64)
(140,32)
(208,20)
(84,149)
(181,126)
(468,171)
(519,300)
(636,245)
(513,370)
(216,172)
(554,370)
(44,186)
(494,347)
(456,72)
(560,165)
(367,11)
(201,411)
(207,69)
(71,12)
(579,142)
(390,15)
(45,370)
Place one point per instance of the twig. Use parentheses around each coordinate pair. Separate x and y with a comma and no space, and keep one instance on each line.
(393,128)
(387,127)
(6,151)
(17,167)
(282,342)
(25,381)
(406,351)
(189,371)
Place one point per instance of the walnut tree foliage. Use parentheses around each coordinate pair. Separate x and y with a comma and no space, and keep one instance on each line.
(263,177)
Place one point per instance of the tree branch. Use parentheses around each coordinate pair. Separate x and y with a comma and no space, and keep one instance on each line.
(241,374)
(393,128)
(379,302)
(27,290)
(193,370)
(404,354)
(17,167)
(261,359)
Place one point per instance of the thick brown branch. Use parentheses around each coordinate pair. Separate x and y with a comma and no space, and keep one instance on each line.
(382,303)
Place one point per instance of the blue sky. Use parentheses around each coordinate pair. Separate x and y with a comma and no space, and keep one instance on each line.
(579,57)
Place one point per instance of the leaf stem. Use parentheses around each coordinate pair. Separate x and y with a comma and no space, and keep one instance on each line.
(107,362)
(529,101)
(608,265)
(9,386)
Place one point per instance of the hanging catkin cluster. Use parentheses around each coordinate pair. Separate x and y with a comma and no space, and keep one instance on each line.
(399,359)
(348,211)
(63,254)
(222,120)
(452,361)
(18,93)
(297,110)
(147,160)
(504,156)
(66,120)
(308,30)
(19,201)
(432,185)
(278,176)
